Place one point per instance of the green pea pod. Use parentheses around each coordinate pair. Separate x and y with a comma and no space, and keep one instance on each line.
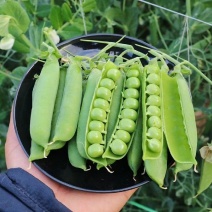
(114,107)
(57,144)
(70,106)
(43,101)
(175,126)
(134,155)
(37,152)
(152,143)
(92,83)
(156,168)
(121,139)
(74,157)
(189,121)
(205,178)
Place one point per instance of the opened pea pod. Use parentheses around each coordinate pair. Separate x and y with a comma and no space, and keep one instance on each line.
(93,119)
(120,141)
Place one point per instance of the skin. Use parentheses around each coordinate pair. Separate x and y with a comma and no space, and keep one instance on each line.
(71,198)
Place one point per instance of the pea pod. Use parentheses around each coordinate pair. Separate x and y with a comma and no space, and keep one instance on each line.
(175,126)
(156,168)
(75,159)
(91,85)
(189,120)
(121,139)
(44,100)
(151,103)
(134,155)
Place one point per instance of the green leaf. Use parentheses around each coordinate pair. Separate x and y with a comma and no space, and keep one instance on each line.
(78,23)
(43,10)
(88,5)
(70,31)
(14,9)
(56,17)
(4,23)
(66,12)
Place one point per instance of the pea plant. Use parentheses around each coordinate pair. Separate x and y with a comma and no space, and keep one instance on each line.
(30,31)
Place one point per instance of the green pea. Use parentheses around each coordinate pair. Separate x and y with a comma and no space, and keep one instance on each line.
(127,124)
(154,132)
(118,147)
(154,121)
(123,135)
(129,114)
(96,126)
(153,111)
(103,93)
(154,100)
(94,137)
(153,79)
(98,114)
(131,103)
(114,74)
(133,82)
(154,145)
(131,93)
(107,83)
(101,103)
(132,73)
(153,89)
(95,150)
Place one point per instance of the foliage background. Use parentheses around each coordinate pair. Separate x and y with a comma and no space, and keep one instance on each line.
(168,31)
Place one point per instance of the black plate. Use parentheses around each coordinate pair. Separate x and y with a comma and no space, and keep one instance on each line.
(57,166)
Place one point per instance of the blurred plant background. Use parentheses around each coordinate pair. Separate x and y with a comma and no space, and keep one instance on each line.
(168,30)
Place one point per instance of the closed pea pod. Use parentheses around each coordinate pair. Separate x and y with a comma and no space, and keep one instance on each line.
(174,128)
(189,121)
(75,159)
(44,100)
(70,106)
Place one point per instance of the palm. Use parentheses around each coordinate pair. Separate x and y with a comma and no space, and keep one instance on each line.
(73,199)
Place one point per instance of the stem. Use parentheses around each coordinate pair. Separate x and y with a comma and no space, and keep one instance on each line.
(9,75)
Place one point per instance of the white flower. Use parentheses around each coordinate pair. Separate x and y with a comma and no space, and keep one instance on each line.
(52,35)
(7,42)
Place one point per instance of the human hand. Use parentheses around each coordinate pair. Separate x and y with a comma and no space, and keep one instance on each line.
(75,200)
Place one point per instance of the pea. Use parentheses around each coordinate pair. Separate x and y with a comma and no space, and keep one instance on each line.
(118,147)
(94,137)
(103,93)
(96,126)
(127,124)
(107,83)
(123,135)
(95,150)
(154,100)
(132,73)
(133,82)
(154,145)
(131,93)
(101,103)
(153,111)
(131,103)
(129,114)
(153,79)
(98,114)
(114,74)
(153,89)
(154,132)
(154,121)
